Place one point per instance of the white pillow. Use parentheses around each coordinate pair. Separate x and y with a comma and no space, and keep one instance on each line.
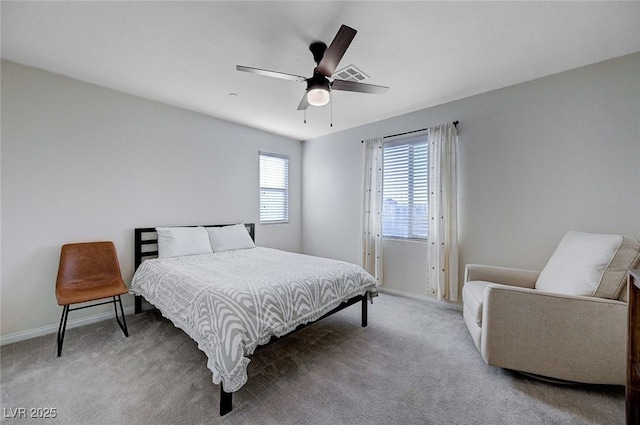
(228,238)
(589,264)
(179,241)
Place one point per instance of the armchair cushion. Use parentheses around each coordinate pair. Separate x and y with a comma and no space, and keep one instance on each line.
(587,264)
(472,296)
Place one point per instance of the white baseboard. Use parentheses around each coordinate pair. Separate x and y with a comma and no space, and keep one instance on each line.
(418,297)
(49,329)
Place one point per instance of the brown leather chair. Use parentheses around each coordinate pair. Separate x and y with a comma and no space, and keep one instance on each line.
(87,272)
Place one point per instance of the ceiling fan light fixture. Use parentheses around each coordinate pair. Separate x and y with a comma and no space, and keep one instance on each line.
(318,96)
(318,91)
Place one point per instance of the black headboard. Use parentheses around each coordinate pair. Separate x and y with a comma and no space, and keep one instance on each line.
(146,240)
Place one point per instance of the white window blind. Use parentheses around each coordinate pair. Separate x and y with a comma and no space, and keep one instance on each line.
(405,188)
(274,188)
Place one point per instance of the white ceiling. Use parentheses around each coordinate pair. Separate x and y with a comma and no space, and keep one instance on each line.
(185,53)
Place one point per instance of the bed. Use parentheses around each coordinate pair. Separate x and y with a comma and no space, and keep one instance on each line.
(232,301)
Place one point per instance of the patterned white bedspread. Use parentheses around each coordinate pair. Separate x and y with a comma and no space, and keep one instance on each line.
(231,302)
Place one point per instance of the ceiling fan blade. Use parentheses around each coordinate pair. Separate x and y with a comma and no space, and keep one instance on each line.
(304,103)
(273,74)
(336,50)
(358,87)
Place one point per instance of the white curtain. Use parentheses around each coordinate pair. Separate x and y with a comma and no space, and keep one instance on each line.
(443,222)
(371,248)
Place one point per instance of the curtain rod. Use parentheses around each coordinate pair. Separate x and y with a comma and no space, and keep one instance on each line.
(409,132)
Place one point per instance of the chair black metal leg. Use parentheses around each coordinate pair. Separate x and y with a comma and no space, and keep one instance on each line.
(62,328)
(65,314)
(122,325)
(124,320)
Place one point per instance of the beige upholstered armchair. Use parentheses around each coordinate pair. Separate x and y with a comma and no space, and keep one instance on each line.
(568,322)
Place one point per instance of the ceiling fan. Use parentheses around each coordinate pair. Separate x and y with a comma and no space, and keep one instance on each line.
(319,86)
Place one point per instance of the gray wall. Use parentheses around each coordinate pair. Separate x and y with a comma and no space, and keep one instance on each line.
(82,163)
(535,160)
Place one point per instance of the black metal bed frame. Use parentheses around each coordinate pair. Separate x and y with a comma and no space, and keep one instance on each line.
(147,237)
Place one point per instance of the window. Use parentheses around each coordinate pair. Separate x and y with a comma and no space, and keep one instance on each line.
(405,188)
(274,188)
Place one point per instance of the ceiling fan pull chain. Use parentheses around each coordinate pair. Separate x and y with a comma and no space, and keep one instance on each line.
(331,100)
(305,116)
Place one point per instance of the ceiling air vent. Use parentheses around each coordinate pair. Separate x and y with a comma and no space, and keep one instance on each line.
(350,73)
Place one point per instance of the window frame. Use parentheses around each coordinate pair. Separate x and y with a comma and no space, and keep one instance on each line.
(285,190)
(414,138)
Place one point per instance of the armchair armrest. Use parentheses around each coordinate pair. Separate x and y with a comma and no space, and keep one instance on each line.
(502,275)
(575,338)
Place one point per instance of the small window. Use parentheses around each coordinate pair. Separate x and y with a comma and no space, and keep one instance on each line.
(274,188)
(405,188)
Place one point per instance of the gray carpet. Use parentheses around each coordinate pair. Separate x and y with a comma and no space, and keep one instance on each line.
(414,364)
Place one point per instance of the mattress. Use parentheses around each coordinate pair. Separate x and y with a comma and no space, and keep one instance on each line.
(231,302)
